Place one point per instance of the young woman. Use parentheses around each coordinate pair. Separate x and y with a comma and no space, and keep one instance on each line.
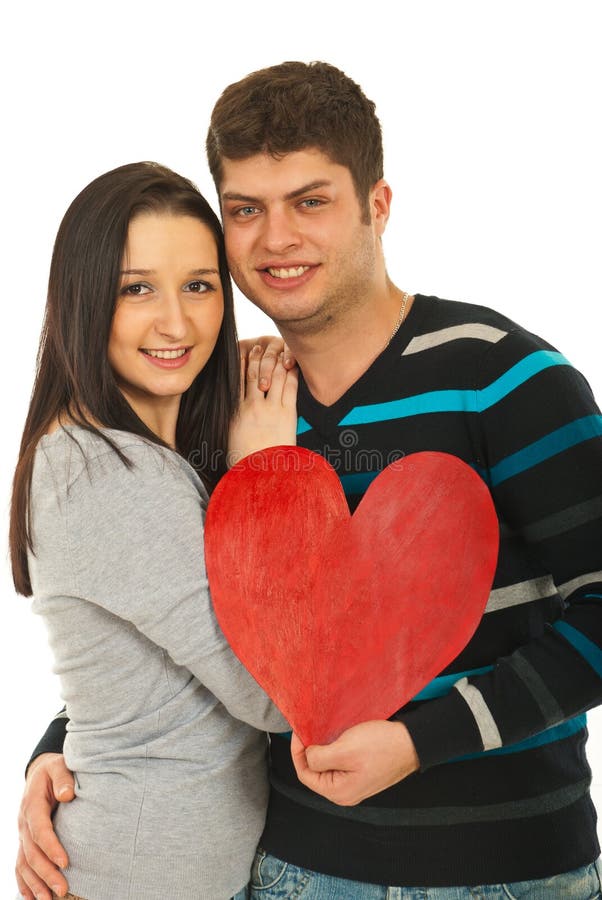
(137,379)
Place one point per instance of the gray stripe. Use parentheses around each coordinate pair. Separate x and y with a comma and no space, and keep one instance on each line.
(474,330)
(563,521)
(569,586)
(537,687)
(439,815)
(522,592)
(485,722)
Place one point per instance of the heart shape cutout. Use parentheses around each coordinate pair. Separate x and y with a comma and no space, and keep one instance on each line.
(342,619)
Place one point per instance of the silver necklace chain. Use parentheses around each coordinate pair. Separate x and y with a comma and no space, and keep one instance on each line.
(402,311)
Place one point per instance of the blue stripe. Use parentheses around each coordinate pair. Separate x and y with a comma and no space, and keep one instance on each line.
(432,402)
(357,484)
(441,686)
(582,644)
(593,596)
(524,370)
(552,444)
(302,425)
(458,401)
(549,736)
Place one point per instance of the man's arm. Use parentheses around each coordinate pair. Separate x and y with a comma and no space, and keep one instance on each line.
(541,439)
(53,738)
(48,782)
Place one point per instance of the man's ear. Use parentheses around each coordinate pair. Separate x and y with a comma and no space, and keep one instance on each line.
(379,204)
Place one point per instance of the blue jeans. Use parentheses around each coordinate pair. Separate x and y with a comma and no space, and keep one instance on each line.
(273,879)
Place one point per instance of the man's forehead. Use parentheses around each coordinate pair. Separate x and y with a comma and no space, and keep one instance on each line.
(292,173)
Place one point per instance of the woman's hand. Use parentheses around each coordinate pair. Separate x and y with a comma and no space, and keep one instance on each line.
(40,855)
(264,418)
(272,348)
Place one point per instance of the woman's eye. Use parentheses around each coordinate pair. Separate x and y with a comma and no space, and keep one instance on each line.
(198,287)
(136,290)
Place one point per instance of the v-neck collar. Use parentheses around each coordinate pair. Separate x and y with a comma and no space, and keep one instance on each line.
(313,414)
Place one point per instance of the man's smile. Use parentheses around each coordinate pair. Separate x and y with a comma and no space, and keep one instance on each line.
(293,272)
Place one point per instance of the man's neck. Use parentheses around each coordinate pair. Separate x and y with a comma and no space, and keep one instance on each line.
(333,359)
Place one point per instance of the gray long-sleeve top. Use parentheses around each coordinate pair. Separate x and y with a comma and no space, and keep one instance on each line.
(170,767)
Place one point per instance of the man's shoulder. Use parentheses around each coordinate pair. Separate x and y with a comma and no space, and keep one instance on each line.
(443,313)
(469,328)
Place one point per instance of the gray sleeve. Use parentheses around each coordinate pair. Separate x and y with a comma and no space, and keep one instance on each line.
(136,545)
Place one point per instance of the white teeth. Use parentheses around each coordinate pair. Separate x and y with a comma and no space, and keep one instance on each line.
(166,354)
(288,273)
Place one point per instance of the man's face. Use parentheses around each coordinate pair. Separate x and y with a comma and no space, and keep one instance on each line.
(295,240)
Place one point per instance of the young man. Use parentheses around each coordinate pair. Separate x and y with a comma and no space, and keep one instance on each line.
(482,779)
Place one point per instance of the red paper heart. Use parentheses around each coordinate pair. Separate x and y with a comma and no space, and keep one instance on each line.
(343,619)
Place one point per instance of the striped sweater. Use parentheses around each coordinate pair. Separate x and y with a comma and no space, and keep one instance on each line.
(502,793)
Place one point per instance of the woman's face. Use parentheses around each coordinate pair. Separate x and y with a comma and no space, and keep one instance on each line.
(168,313)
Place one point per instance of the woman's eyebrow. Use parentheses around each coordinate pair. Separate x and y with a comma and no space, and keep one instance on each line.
(153,272)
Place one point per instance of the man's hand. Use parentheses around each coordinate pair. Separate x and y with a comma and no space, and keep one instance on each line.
(271,347)
(40,853)
(363,761)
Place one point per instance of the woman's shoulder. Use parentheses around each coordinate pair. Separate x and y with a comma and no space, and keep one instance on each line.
(109,460)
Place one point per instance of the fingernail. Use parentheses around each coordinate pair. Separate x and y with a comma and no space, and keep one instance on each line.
(63,790)
(263,382)
(60,861)
(56,888)
(257,348)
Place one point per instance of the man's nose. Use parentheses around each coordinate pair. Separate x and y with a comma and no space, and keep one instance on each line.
(280,231)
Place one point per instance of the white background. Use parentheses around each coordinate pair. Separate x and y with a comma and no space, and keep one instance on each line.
(491,119)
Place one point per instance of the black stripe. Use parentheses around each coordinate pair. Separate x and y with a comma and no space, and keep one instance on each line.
(441,815)
(548,705)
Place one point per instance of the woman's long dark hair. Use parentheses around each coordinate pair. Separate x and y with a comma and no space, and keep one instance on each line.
(73,375)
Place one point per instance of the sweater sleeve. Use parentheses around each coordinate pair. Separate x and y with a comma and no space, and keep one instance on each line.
(135,537)
(541,440)
(53,738)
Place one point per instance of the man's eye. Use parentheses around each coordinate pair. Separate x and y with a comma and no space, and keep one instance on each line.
(244,211)
(198,287)
(311,203)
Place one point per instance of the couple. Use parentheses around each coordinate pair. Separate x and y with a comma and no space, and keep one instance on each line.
(482,780)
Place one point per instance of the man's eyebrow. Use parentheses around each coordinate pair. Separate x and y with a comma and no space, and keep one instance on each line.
(292,195)
(307,188)
(152,272)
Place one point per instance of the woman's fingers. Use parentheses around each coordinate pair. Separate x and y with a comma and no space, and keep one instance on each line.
(252,388)
(283,383)
(264,419)
(266,351)
(290,388)
(269,362)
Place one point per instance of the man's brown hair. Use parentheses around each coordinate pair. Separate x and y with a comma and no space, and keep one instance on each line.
(294,106)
